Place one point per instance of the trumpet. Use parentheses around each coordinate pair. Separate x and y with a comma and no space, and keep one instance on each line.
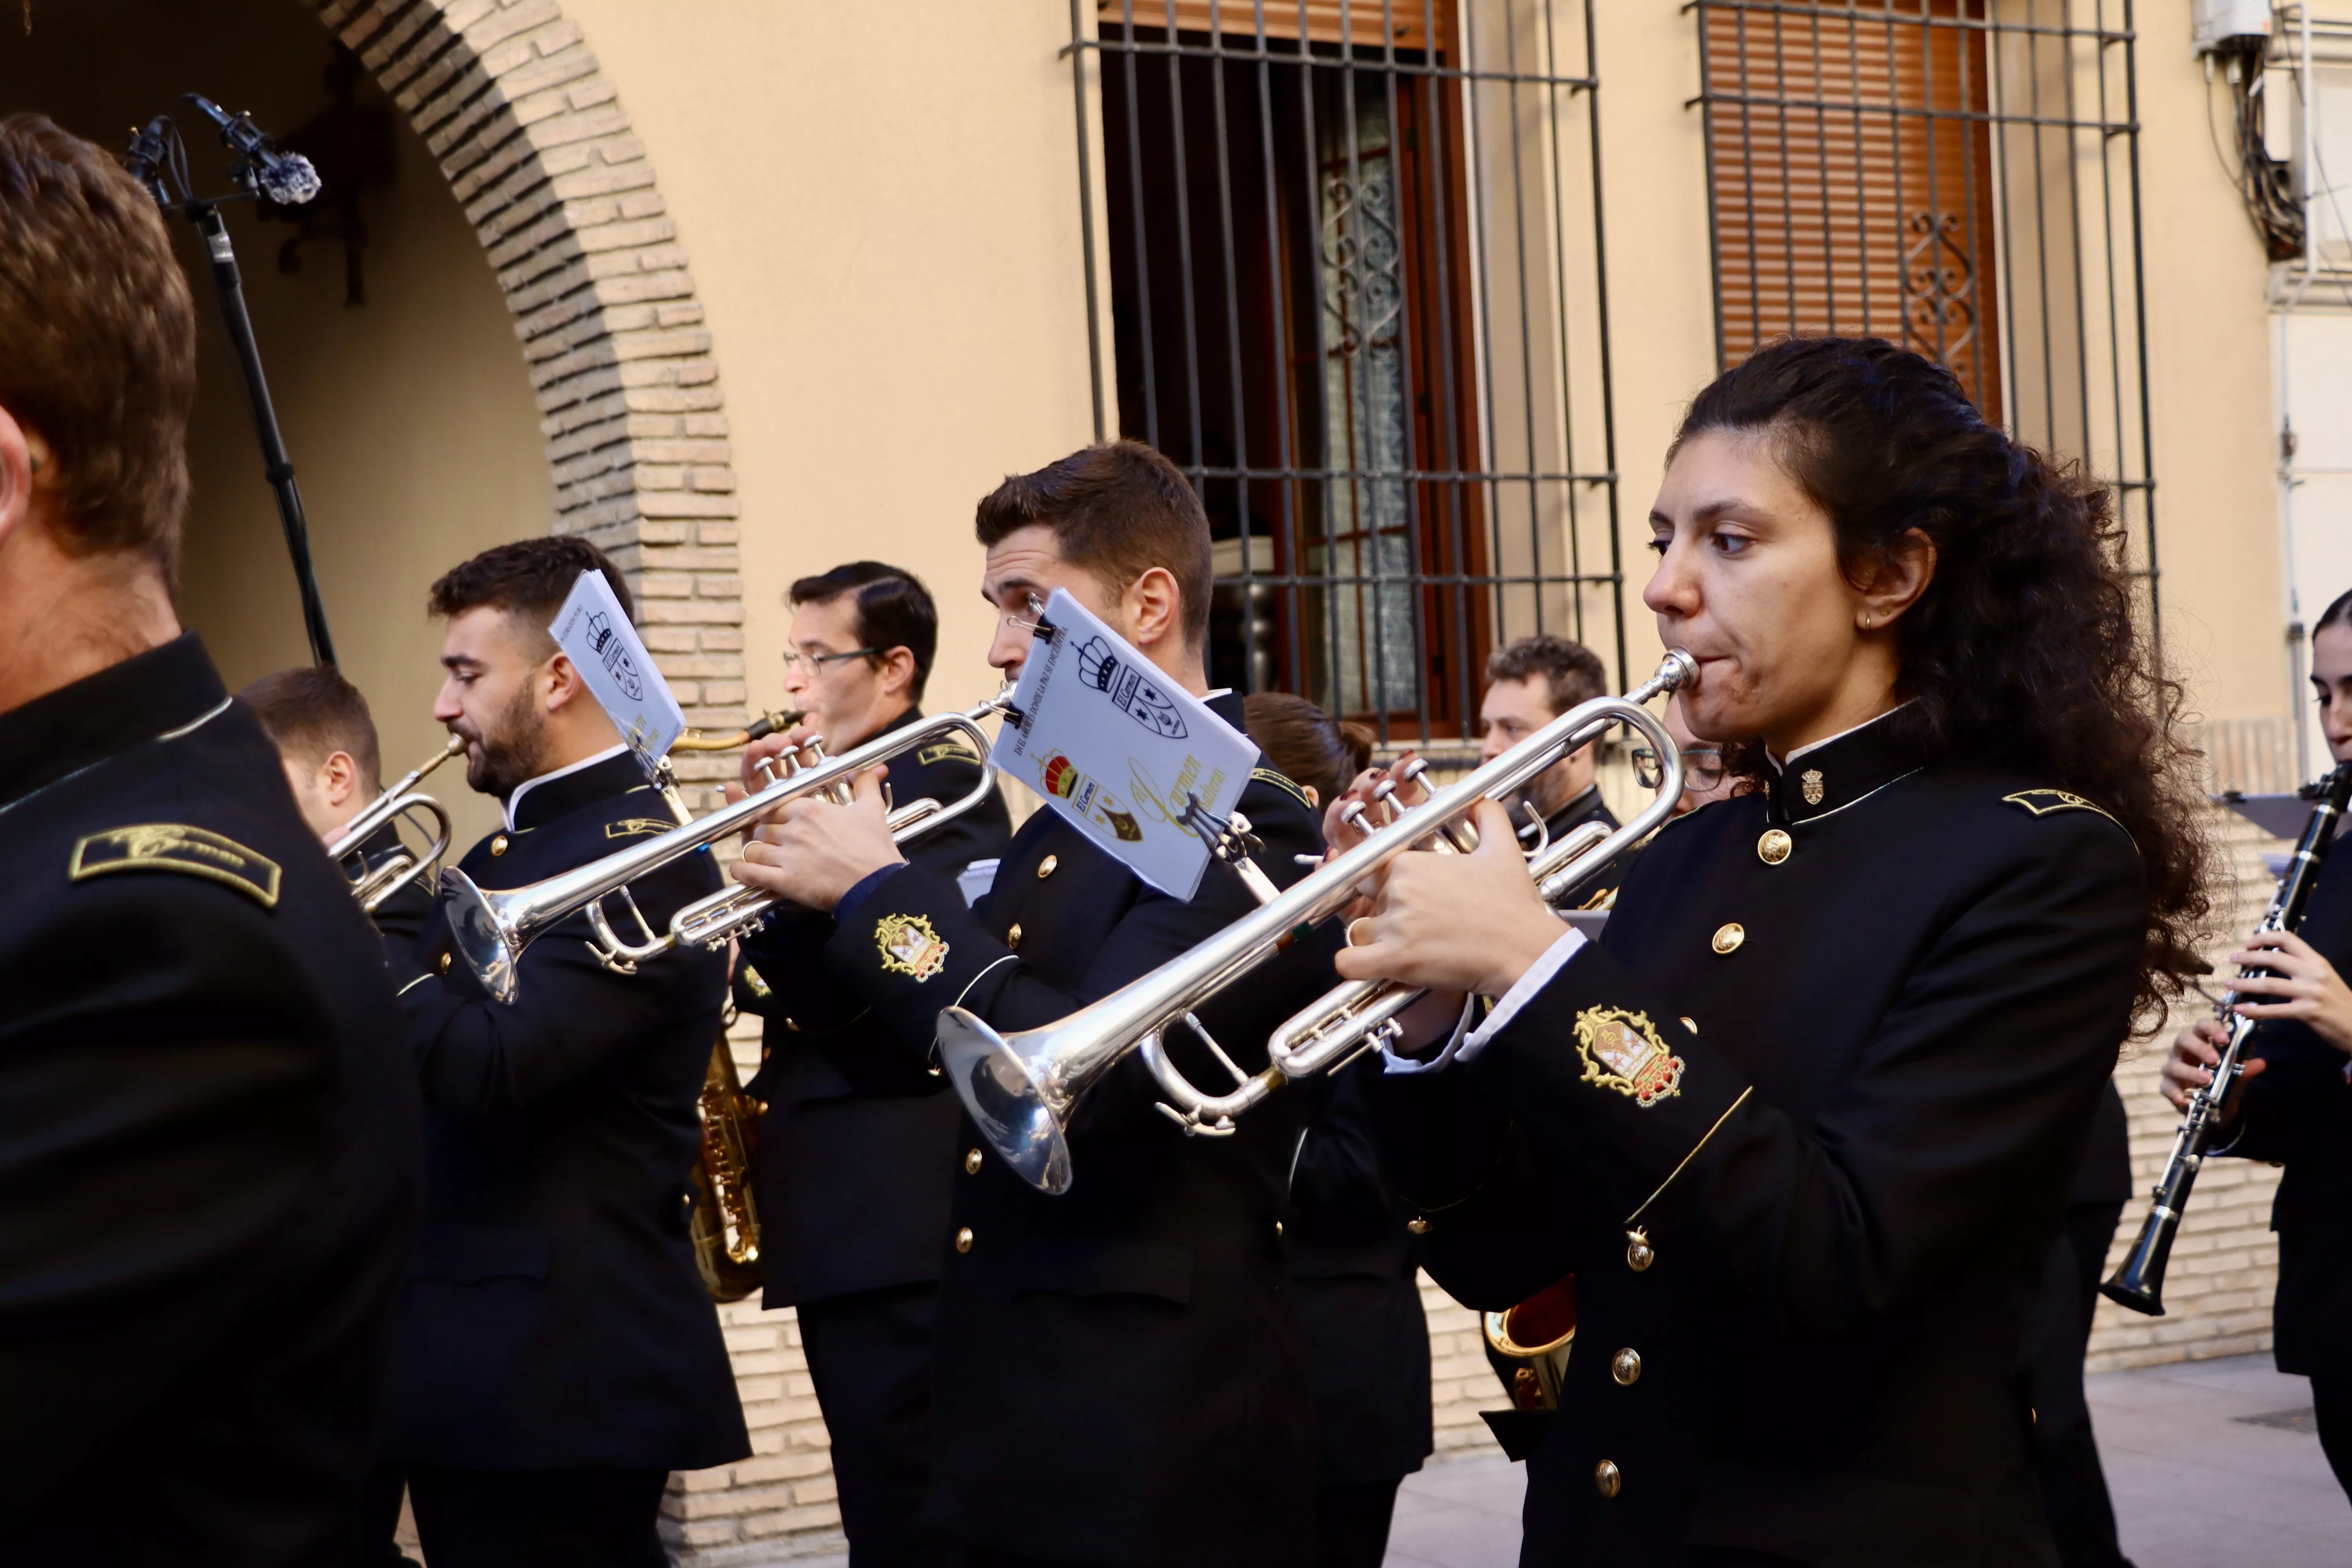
(2138,1284)
(491,929)
(1020,1089)
(373,887)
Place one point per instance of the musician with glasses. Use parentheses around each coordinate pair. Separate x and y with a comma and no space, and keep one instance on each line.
(326,742)
(558,1355)
(1801,1122)
(1120,1372)
(208,1150)
(2294,1104)
(859,1150)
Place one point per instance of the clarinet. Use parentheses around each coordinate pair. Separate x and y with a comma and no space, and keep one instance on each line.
(2139,1283)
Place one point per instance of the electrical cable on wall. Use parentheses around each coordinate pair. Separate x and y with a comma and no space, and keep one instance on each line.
(2266,184)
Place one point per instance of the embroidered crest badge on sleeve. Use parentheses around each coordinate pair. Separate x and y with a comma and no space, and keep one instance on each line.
(175,846)
(635,826)
(1622,1051)
(909,946)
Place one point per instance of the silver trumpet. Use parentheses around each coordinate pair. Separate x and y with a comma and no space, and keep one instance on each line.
(1020,1089)
(493,928)
(401,800)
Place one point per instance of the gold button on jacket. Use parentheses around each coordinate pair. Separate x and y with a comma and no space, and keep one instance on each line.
(1606,1479)
(971,1162)
(963,1239)
(1728,936)
(1625,1366)
(1012,937)
(1046,866)
(499,844)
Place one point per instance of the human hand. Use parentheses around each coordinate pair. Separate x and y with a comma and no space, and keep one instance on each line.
(812,851)
(2195,1051)
(1455,923)
(2308,988)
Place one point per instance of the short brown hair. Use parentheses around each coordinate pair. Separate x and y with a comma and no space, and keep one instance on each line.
(1572,671)
(1117,509)
(97,340)
(1307,744)
(310,712)
(529,579)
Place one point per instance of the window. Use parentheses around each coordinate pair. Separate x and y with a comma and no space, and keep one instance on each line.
(1351,252)
(1960,176)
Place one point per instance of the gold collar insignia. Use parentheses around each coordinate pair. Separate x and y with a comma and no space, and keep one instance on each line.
(946,751)
(909,946)
(175,846)
(1622,1051)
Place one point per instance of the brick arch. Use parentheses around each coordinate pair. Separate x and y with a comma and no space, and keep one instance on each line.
(533,141)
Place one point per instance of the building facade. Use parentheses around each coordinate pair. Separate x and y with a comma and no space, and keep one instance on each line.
(1415,289)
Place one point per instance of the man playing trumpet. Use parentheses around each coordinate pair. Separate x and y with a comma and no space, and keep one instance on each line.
(1130,1348)
(859,1147)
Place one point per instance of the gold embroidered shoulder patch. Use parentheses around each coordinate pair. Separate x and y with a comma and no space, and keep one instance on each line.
(944,751)
(175,846)
(637,826)
(909,946)
(1622,1050)
(753,983)
(1281,781)
(2043,802)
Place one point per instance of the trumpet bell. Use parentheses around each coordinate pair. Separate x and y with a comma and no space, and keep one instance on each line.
(998,1087)
(485,937)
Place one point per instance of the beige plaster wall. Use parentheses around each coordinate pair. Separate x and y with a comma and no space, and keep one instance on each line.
(2209,340)
(1661,277)
(882,214)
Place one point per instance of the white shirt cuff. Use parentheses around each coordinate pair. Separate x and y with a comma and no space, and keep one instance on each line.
(1462,1046)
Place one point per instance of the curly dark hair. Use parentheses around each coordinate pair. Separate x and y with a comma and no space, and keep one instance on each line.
(2022,653)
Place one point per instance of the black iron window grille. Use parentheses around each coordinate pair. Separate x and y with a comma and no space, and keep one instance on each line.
(1960,176)
(1352,255)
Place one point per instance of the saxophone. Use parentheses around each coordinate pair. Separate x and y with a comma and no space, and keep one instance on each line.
(725,1224)
(725,1228)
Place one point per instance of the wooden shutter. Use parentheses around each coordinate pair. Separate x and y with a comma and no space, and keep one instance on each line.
(1852,175)
(1325,21)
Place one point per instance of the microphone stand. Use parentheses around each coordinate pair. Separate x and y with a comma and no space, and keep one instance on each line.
(157,153)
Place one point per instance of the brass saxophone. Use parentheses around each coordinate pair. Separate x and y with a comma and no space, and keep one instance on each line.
(725,1225)
(725,1228)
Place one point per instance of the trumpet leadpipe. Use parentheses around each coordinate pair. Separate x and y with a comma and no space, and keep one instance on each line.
(492,927)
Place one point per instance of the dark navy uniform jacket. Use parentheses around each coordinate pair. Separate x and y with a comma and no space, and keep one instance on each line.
(1359,1297)
(1131,1346)
(1803,1125)
(554,1318)
(2299,1111)
(207,1138)
(858,1148)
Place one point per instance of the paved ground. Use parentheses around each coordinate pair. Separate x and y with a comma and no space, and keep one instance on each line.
(2195,1482)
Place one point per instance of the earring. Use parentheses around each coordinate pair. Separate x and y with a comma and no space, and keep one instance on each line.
(1865,621)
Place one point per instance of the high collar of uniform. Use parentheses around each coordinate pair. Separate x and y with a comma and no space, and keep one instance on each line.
(1834,773)
(165,689)
(551,796)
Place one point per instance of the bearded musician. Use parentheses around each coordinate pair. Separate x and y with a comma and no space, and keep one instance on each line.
(557,1354)
(1802,1120)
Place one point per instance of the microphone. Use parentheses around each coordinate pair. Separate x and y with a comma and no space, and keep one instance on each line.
(286,178)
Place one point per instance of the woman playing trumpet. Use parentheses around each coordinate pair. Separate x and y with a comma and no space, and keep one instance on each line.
(1801,1122)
